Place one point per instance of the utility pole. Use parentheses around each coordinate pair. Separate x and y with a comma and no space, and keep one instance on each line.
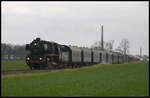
(102,38)
(140,52)
(102,48)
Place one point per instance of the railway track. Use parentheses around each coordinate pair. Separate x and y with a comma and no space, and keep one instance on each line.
(24,71)
(7,72)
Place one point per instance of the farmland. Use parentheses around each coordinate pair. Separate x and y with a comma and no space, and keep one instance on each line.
(105,80)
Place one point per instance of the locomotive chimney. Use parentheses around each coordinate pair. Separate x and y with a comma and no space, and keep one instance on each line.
(38,39)
(102,37)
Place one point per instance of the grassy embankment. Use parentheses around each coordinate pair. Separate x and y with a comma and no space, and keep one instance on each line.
(114,80)
(13,65)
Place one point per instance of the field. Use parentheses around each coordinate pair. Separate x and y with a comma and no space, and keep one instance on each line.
(13,65)
(104,80)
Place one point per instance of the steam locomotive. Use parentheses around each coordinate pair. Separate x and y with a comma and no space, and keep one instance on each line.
(43,54)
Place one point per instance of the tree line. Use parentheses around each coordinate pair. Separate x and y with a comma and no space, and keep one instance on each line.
(123,47)
(12,52)
(17,52)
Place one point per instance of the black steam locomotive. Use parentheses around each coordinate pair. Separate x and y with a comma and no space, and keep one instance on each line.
(44,54)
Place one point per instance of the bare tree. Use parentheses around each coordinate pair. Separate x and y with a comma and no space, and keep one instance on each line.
(107,45)
(96,45)
(119,49)
(124,46)
(12,52)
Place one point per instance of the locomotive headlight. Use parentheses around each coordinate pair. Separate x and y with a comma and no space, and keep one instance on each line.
(40,58)
(35,44)
(28,58)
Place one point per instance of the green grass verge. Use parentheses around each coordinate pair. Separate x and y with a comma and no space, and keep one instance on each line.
(116,80)
(13,65)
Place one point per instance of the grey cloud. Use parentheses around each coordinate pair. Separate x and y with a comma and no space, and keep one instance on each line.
(76,23)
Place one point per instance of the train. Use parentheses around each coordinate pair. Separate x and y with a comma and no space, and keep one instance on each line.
(42,54)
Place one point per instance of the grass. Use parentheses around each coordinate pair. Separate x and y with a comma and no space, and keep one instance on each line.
(13,65)
(114,80)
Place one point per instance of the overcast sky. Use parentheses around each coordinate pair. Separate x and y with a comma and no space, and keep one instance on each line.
(77,23)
